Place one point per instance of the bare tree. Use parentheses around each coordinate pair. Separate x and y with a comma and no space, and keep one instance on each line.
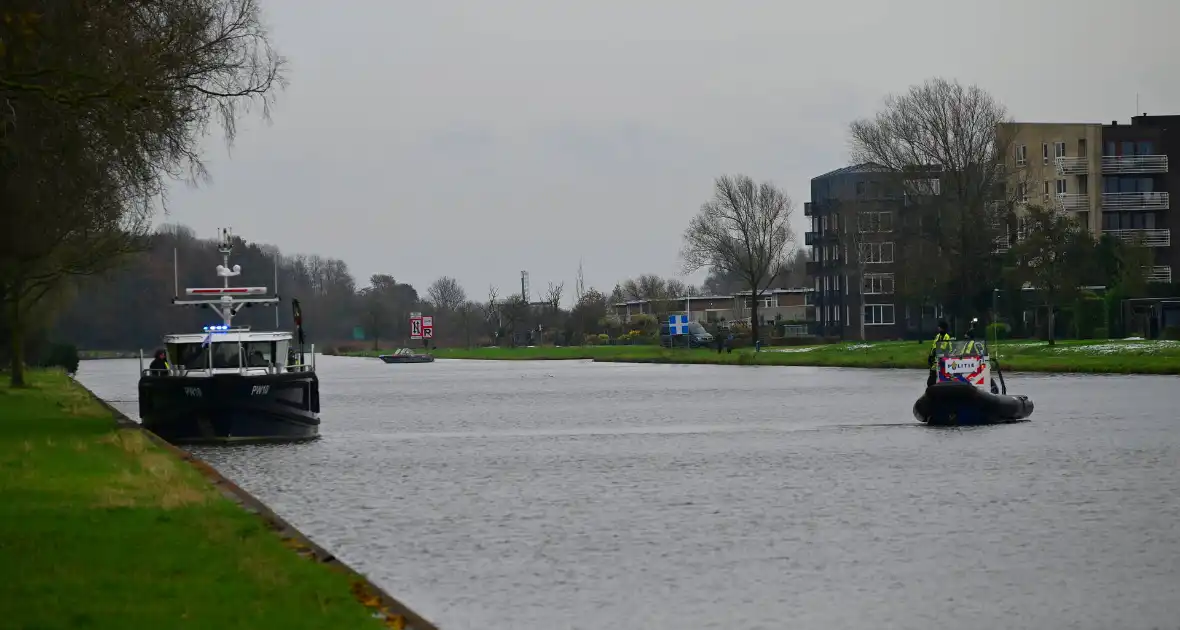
(553,295)
(579,284)
(744,230)
(446,294)
(942,143)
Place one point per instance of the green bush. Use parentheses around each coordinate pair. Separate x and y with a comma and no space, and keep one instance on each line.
(62,355)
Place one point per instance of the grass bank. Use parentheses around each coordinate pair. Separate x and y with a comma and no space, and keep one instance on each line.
(1100,357)
(102,528)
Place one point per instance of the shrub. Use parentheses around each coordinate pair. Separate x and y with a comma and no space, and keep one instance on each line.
(63,355)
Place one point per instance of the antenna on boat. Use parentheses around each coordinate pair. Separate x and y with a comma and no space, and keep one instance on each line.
(225,304)
(277,290)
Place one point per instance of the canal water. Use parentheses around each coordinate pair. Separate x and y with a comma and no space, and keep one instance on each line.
(554,495)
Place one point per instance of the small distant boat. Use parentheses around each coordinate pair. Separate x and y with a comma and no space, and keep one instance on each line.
(961,397)
(405,355)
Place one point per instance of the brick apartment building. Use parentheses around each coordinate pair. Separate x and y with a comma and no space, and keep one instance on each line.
(855,206)
(1116,178)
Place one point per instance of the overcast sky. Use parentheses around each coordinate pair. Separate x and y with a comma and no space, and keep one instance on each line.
(475,139)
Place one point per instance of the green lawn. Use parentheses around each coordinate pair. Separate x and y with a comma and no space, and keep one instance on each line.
(100,528)
(1114,357)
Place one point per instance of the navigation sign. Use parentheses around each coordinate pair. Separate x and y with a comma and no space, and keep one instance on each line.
(415,325)
(677,325)
(428,327)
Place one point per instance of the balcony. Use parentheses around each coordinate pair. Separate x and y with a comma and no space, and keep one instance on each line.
(1001,244)
(1148,238)
(1114,164)
(1135,201)
(1072,165)
(1070,202)
(825,237)
(807,211)
(1160,273)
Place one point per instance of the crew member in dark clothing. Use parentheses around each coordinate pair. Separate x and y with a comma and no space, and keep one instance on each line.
(159,363)
(942,343)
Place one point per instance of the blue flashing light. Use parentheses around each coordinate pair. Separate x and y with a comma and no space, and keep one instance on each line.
(218,328)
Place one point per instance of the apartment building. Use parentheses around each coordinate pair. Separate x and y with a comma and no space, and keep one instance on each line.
(854,206)
(1115,178)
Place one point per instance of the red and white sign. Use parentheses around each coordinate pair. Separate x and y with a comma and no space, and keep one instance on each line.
(415,325)
(428,327)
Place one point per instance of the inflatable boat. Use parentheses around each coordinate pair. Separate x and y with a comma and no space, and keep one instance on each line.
(965,393)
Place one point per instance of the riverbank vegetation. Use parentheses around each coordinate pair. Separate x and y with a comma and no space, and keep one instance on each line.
(1109,357)
(100,528)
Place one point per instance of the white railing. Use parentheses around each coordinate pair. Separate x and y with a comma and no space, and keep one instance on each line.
(1159,273)
(1149,238)
(1115,164)
(1135,201)
(1001,244)
(1072,165)
(1071,202)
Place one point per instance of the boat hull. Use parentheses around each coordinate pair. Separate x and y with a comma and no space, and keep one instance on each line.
(963,404)
(231,408)
(406,359)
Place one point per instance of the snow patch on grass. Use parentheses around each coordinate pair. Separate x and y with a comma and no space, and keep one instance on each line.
(799,349)
(1120,347)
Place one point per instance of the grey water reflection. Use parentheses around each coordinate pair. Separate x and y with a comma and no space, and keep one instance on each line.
(555,495)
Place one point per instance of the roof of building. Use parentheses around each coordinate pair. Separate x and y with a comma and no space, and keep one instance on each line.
(865,167)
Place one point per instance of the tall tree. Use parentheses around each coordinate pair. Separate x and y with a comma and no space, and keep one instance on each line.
(744,230)
(446,294)
(104,102)
(1052,257)
(942,143)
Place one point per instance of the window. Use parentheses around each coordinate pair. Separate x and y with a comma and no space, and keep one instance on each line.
(226,354)
(1108,148)
(1021,155)
(878,284)
(878,314)
(1128,147)
(1045,152)
(860,189)
(1022,192)
(259,354)
(1047,191)
(1058,149)
(930,186)
(1145,147)
(875,221)
(877,252)
(1061,187)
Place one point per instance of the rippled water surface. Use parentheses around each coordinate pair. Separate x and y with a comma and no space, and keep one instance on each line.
(552,495)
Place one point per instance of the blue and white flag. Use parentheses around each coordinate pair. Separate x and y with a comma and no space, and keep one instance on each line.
(208,340)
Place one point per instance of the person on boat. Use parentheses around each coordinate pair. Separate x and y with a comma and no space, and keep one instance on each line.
(159,363)
(942,344)
(975,348)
